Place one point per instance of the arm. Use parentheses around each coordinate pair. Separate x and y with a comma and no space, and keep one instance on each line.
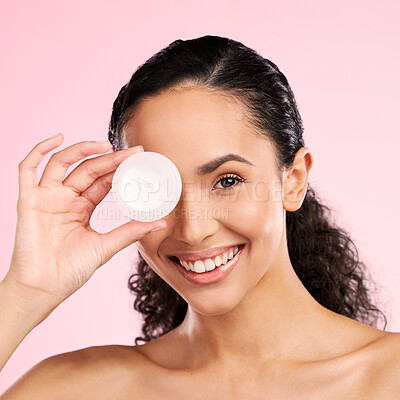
(55,249)
(16,321)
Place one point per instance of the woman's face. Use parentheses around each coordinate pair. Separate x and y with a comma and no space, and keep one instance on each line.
(192,127)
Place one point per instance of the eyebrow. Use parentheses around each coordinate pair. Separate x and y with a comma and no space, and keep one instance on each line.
(212,165)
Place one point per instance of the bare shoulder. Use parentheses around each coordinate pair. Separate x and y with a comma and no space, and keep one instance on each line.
(383,378)
(85,373)
(389,347)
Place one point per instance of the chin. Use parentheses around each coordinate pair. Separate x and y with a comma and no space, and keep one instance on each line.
(212,303)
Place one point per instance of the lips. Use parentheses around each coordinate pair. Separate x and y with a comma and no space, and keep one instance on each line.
(211,253)
(209,277)
(206,265)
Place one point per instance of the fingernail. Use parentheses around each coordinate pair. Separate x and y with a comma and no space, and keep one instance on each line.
(140,148)
(158,228)
(58,134)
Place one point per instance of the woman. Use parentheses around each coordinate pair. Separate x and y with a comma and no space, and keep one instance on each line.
(293,318)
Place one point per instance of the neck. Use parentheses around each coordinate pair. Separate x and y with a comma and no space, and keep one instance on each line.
(277,320)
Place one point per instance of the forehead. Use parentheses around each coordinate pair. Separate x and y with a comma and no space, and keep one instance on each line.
(193,125)
(185,113)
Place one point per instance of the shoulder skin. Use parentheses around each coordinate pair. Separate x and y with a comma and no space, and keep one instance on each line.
(98,372)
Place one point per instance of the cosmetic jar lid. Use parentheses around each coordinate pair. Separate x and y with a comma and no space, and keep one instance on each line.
(147,186)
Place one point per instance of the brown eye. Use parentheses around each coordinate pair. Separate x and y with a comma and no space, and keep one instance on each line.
(229,181)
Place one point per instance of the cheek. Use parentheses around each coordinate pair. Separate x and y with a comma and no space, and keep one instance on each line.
(255,211)
(147,248)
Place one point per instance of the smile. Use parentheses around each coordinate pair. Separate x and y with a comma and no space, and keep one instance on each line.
(209,270)
(208,264)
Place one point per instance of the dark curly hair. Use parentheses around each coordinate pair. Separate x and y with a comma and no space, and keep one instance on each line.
(322,254)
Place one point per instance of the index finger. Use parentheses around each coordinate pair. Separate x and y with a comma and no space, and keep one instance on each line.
(27,168)
(59,162)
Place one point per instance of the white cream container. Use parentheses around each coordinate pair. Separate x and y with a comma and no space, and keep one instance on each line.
(147,186)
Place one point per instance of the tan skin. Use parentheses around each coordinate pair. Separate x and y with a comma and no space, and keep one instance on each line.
(258,333)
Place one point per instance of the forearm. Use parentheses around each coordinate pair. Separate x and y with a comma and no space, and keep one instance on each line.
(16,321)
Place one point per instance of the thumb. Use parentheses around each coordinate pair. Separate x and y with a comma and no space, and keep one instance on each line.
(114,241)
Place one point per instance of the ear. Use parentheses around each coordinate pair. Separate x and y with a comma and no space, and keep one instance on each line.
(296,179)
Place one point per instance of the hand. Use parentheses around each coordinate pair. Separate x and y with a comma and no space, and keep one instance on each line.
(55,249)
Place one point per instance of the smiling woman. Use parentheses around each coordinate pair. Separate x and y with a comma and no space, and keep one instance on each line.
(214,95)
(296,271)
(250,288)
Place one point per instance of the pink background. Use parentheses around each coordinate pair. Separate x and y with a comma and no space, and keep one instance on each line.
(63,64)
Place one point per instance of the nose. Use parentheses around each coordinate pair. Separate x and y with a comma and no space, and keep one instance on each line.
(193,220)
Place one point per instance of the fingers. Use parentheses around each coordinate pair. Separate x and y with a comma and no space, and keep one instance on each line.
(59,162)
(114,241)
(88,171)
(28,166)
(96,192)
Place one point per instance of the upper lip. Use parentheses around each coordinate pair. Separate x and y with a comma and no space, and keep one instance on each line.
(201,255)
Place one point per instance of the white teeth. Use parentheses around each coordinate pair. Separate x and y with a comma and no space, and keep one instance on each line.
(199,266)
(184,264)
(208,265)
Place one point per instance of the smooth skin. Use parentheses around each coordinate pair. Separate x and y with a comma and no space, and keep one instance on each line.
(257,334)
(55,249)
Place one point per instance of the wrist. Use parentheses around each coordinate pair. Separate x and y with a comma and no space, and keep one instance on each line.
(21,307)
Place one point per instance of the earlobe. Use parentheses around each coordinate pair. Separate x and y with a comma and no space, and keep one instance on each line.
(296,179)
